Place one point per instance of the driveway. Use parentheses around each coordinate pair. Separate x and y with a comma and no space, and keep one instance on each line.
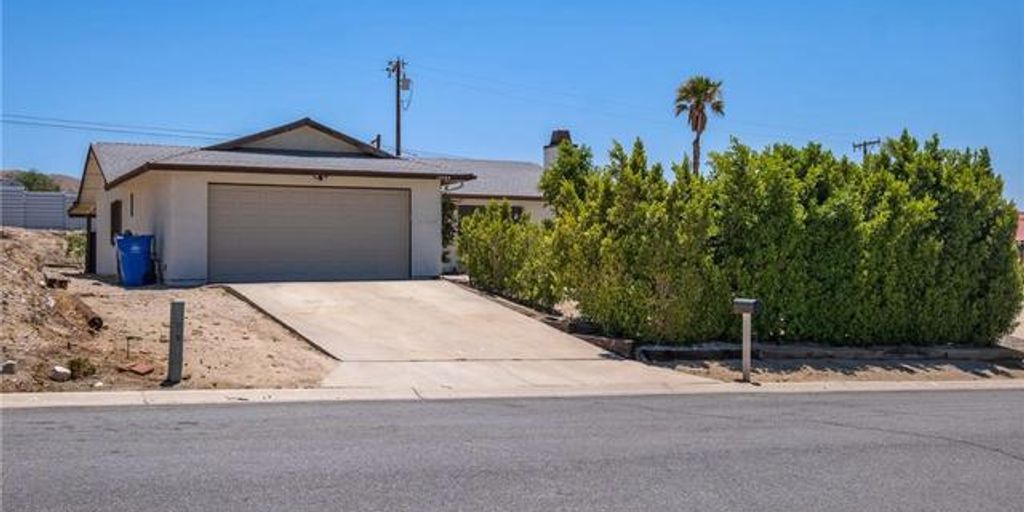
(435,335)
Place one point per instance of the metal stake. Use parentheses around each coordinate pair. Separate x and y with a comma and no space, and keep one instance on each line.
(175,357)
(746,347)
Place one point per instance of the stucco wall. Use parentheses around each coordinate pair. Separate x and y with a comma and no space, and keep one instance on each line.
(302,138)
(536,208)
(173,207)
(144,220)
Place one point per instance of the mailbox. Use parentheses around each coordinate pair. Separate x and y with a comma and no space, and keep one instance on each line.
(746,306)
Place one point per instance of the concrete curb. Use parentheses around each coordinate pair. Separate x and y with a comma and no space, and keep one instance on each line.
(243,396)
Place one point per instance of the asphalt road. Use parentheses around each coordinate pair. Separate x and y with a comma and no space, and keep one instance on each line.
(868,451)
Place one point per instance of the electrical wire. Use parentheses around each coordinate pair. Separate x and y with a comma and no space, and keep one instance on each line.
(121,126)
(834,136)
(107,130)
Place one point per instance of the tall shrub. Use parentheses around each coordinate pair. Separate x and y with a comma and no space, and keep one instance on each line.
(634,251)
(915,246)
(508,255)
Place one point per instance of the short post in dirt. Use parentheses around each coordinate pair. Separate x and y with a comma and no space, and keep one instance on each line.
(176,344)
(747,308)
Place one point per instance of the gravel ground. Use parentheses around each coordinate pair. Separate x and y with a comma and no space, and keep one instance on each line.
(228,344)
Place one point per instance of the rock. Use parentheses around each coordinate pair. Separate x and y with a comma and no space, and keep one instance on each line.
(98,385)
(8,367)
(60,374)
(163,338)
(141,368)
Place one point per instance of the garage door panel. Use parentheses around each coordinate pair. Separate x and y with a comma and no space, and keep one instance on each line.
(265,233)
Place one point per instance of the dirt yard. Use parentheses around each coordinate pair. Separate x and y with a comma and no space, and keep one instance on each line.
(820,370)
(228,344)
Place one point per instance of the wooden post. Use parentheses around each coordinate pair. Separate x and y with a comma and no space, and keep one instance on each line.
(176,355)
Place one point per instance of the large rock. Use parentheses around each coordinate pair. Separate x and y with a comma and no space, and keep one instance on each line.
(60,374)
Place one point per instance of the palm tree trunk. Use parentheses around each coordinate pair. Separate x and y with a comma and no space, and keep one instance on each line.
(696,155)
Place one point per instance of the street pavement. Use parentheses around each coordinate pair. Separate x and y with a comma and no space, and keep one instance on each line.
(941,450)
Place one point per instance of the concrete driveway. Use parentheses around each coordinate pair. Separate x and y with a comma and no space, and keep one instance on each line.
(434,335)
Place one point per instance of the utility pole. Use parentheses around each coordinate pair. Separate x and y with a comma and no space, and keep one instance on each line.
(396,70)
(864,146)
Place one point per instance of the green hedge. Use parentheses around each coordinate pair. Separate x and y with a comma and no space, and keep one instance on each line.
(916,245)
(507,255)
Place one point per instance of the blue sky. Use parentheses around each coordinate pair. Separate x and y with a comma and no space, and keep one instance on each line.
(493,79)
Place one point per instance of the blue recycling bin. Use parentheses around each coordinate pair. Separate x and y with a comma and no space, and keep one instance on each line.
(134,259)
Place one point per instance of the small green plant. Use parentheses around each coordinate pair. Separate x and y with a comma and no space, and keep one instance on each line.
(81,367)
(74,245)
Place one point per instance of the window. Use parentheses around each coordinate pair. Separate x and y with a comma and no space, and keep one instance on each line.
(468,209)
(115,220)
(131,205)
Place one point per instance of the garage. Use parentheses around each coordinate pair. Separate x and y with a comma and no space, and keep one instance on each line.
(307,233)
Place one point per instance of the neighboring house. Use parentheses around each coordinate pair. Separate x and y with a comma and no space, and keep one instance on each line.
(497,180)
(297,202)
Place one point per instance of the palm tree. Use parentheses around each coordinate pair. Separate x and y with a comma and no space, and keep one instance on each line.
(694,97)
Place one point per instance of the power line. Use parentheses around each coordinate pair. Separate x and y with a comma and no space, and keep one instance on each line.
(97,126)
(630,106)
(92,128)
(121,126)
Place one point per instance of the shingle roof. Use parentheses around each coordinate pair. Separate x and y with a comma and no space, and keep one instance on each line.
(494,178)
(121,161)
(117,159)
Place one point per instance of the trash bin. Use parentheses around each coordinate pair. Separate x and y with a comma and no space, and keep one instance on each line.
(134,259)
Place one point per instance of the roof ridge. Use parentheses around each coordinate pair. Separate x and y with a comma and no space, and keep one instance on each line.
(474,159)
(190,150)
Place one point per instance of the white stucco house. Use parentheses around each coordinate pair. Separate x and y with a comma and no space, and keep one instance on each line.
(300,201)
(496,180)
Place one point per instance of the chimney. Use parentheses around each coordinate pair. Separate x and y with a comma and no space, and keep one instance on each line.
(551,150)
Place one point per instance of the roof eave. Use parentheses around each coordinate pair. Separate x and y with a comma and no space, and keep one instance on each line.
(158,166)
(510,197)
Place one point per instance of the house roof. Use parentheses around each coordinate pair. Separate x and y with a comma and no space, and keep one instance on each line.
(495,178)
(120,161)
(360,146)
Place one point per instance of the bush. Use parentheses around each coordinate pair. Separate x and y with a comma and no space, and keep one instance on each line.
(74,245)
(508,255)
(914,246)
(635,251)
(81,367)
(35,181)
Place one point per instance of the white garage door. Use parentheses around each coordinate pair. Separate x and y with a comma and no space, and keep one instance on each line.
(269,233)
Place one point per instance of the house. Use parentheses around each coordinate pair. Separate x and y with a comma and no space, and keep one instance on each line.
(301,201)
(497,180)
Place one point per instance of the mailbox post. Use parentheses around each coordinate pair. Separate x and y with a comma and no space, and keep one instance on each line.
(747,308)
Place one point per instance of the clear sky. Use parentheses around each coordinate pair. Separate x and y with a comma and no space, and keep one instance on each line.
(492,79)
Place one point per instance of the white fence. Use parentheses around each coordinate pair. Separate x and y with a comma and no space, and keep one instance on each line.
(39,210)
